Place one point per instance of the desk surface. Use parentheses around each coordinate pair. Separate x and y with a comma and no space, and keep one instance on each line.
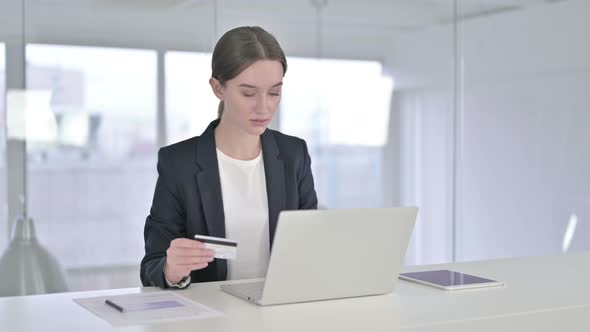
(549,293)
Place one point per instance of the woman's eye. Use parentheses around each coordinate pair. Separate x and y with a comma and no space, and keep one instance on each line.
(248,94)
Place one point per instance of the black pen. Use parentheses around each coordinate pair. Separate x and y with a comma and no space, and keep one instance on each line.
(114,305)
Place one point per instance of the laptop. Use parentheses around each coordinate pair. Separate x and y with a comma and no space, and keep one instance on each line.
(332,254)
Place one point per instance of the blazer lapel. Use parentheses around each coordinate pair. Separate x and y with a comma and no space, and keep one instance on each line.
(274,168)
(209,186)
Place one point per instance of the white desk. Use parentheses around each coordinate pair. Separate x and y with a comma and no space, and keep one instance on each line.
(548,293)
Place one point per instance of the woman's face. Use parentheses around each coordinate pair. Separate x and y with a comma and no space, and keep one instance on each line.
(251,98)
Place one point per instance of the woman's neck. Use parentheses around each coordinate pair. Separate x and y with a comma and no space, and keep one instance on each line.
(236,143)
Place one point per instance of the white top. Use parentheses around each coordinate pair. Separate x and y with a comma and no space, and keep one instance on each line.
(245,205)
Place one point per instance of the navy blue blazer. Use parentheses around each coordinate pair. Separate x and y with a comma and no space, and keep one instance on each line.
(187,199)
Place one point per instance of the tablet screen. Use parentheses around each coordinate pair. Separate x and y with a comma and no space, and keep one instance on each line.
(446,278)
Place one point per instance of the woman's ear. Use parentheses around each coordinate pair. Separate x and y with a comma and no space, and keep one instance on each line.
(217,87)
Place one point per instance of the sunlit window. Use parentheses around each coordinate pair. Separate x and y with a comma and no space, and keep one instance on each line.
(190,103)
(337,101)
(341,108)
(91,182)
(103,100)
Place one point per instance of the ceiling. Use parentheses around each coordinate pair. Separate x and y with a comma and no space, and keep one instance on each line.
(388,13)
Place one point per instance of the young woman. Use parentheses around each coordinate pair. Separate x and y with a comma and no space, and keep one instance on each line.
(234,179)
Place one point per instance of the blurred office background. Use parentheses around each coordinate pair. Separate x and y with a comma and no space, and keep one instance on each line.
(477,111)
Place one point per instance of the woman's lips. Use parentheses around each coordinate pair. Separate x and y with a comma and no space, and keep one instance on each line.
(260,122)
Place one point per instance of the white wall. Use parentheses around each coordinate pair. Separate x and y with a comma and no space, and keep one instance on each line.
(524,131)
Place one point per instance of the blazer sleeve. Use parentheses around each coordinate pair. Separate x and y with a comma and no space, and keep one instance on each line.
(307,196)
(165,223)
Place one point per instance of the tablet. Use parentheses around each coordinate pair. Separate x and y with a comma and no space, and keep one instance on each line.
(448,280)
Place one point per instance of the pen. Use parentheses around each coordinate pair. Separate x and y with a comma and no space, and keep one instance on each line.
(114,305)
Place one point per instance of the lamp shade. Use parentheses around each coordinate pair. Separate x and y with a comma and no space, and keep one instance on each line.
(27,268)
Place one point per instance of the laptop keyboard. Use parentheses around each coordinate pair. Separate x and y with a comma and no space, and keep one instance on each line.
(251,289)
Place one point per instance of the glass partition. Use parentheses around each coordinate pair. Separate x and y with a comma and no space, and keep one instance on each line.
(526,127)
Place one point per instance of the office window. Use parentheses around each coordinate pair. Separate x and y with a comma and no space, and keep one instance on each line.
(91,175)
(190,103)
(337,102)
(341,108)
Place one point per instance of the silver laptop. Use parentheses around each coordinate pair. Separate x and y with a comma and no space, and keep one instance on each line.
(330,254)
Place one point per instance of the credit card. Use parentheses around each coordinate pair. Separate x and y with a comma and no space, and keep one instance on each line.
(224,248)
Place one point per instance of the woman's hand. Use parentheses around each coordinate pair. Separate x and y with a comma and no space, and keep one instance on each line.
(184,256)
